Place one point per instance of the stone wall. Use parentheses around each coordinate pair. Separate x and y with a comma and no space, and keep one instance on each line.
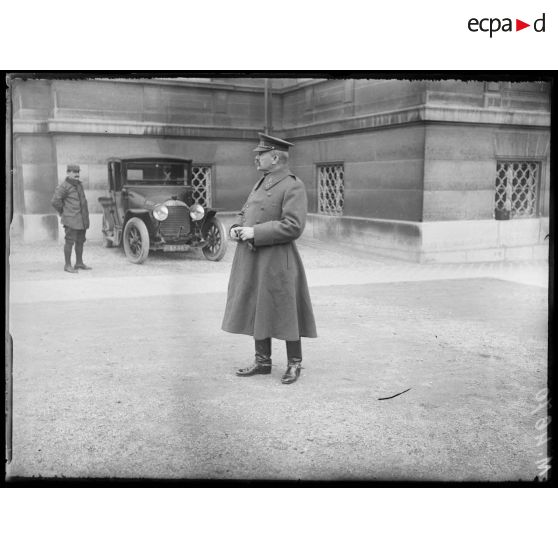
(414,151)
(418,150)
(383,170)
(460,168)
(88,121)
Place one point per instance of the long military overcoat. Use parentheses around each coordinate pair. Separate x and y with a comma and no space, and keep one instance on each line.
(268,293)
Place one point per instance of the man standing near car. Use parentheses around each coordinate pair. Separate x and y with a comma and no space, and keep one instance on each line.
(268,294)
(70,203)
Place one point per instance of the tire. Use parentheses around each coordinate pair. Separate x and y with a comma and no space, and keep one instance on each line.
(216,236)
(136,240)
(107,243)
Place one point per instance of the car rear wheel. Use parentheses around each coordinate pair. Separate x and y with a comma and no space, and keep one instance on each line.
(136,240)
(216,236)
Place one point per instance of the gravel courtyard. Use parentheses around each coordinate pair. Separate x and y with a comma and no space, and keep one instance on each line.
(123,372)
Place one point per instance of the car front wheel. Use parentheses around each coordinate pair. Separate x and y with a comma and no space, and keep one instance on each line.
(216,237)
(136,240)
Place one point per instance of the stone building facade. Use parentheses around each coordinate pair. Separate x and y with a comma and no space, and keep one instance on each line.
(415,169)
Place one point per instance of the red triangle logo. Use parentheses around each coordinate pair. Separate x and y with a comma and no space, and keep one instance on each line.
(519,25)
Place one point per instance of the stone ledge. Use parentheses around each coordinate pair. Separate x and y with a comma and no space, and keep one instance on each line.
(410,115)
(39,227)
(441,241)
(130,128)
(421,114)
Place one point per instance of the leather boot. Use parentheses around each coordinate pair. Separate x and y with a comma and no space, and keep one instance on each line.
(293,371)
(261,365)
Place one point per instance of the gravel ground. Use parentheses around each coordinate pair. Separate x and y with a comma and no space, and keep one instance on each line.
(145,387)
(45,260)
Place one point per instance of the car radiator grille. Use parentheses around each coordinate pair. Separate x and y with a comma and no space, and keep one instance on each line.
(178,217)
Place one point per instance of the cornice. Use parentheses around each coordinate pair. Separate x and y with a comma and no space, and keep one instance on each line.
(129,128)
(426,114)
(408,116)
(216,85)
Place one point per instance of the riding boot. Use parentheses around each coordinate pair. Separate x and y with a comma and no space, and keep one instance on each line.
(293,371)
(262,360)
(294,357)
(294,350)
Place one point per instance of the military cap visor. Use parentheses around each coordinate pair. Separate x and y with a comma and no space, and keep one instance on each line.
(72,168)
(267,143)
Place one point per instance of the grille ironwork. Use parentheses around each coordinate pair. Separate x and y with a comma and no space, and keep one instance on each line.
(331,189)
(178,217)
(201,181)
(517,187)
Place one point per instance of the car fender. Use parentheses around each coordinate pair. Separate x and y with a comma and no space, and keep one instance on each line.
(209,213)
(143,214)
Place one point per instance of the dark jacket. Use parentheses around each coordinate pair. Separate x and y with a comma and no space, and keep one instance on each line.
(71,204)
(268,293)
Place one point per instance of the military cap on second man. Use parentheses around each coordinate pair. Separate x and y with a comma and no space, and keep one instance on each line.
(267,143)
(72,168)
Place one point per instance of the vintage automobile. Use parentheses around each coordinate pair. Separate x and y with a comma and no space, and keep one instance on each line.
(150,206)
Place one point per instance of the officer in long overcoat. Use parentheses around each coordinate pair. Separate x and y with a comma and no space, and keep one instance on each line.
(71,204)
(268,293)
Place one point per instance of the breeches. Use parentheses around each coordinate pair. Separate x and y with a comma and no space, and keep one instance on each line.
(74,236)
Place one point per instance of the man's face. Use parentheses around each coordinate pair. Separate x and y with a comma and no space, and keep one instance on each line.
(265,161)
(74,174)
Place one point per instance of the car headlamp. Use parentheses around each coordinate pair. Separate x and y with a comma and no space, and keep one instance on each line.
(197,212)
(160,212)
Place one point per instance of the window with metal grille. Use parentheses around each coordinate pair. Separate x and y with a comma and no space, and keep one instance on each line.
(517,184)
(331,189)
(201,181)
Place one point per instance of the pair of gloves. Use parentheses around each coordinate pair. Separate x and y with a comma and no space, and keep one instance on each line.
(243,234)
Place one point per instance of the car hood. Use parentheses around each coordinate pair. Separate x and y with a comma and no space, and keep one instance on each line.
(141,196)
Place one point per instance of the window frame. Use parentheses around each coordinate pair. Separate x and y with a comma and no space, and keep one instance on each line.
(538,185)
(317,166)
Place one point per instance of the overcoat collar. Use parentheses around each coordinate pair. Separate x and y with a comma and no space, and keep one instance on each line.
(273,178)
(259,183)
(73,181)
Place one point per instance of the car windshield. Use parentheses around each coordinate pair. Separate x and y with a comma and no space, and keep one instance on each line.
(154,172)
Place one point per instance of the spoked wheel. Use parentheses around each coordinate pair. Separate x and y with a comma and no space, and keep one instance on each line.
(215,235)
(136,240)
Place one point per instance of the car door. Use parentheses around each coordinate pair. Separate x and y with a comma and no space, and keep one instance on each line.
(115,178)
